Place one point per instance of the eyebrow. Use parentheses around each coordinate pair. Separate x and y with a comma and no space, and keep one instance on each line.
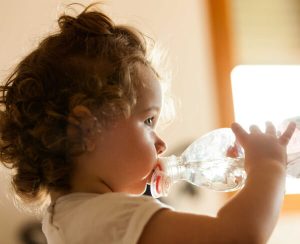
(156,108)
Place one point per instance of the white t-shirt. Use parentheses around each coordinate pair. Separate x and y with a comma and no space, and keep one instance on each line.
(89,218)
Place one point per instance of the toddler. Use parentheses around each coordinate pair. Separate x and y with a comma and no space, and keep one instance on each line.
(78,119)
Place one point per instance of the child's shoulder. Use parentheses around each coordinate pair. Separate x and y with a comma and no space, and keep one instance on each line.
(86,206)
(116,197)
(108,213)
(117,202)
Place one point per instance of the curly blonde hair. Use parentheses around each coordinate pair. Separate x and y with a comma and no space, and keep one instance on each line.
(90,61)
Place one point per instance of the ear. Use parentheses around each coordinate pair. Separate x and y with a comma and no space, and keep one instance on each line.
(81,117)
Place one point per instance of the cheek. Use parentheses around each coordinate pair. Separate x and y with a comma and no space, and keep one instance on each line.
(143,151)
(133,154)
(145,144)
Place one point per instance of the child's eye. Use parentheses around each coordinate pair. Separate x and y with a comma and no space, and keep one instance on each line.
(149,121)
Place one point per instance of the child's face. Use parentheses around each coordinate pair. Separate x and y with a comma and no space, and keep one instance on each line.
(126,154)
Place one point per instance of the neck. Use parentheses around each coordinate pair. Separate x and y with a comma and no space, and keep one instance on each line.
(92,184)
(54,195)
(100,188)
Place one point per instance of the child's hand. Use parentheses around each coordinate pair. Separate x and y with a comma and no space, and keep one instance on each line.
(263,148)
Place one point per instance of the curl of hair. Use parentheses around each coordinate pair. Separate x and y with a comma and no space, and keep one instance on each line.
(90,61)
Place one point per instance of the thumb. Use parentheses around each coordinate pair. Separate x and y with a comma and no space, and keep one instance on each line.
(287,134)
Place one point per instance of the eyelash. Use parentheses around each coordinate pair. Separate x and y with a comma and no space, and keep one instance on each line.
(149,121)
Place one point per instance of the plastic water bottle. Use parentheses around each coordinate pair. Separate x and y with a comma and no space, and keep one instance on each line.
(215,161)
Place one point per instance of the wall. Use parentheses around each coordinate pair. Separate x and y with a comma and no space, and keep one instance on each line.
(180,27)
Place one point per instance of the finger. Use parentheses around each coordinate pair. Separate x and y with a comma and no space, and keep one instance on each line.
(270,128)
(287,134)
(232,151)
(254,129)
(240,133)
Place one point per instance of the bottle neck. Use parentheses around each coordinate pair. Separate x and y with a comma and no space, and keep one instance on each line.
(175,168)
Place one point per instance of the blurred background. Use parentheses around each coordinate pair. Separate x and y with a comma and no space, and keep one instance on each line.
(212,48)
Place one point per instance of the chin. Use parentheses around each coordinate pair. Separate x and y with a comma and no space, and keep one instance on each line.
(139,190)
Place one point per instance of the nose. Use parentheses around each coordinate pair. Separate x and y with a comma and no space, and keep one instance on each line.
(160,145)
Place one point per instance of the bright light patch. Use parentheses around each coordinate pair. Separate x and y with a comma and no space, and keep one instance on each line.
(266,93)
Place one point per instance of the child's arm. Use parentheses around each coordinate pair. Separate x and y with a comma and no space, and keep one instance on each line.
(251,215)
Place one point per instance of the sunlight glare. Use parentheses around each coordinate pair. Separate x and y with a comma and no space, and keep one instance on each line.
(267,93)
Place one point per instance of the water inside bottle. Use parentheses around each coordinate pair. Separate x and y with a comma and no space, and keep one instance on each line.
(225,174)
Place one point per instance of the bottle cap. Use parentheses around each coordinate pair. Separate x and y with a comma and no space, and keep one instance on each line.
(160,183)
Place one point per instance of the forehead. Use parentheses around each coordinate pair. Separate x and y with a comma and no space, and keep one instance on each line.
(149,89)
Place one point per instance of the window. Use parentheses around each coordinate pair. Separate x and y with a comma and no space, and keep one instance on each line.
(267,92)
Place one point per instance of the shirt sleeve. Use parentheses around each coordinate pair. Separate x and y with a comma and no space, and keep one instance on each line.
(140,218)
